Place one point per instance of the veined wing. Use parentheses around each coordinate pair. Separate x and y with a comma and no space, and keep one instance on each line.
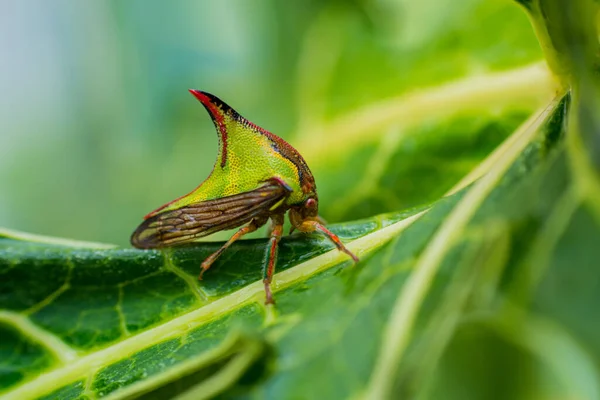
(184,225)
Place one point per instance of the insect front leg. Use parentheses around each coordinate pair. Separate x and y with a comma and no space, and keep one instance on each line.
(251,227)
(309,225)
(271,255)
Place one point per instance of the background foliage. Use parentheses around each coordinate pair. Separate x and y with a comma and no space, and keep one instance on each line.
(467,170)
(98,126)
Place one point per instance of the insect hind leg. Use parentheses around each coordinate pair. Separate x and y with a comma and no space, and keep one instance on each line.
(271,255)
(251,227)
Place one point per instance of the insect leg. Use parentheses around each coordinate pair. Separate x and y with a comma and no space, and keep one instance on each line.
(271,256)
(311,226)
(251,227)
(270,228)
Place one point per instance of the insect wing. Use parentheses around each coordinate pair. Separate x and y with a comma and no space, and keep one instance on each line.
(185,224)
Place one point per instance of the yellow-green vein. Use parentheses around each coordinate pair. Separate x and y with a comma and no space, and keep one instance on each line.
(51,343)
(528,86)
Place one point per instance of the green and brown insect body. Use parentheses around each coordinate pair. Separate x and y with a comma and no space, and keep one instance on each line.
(257,176)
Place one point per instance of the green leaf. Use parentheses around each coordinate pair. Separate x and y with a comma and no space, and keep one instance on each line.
(79,302)
(118,321)
(465,82)
(485,286)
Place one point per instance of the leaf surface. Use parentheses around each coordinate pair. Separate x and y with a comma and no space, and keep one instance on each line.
(97,321)
(483,286)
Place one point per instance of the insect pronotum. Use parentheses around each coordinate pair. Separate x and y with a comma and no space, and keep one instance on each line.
(257,176)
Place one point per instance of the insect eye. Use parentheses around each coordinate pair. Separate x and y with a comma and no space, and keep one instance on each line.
(310,203)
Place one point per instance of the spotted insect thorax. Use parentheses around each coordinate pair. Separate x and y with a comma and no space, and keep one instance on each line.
(257,177)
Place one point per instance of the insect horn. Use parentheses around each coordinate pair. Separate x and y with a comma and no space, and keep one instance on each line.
(222,115)
(216,107)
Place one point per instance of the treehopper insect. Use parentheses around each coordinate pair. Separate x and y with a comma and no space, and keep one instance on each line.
(257,176)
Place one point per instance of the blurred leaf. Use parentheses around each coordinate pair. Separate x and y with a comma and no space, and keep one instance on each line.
(124,136)
(442,94)
(372,160)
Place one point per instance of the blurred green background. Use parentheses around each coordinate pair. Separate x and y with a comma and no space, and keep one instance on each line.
(98,127)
